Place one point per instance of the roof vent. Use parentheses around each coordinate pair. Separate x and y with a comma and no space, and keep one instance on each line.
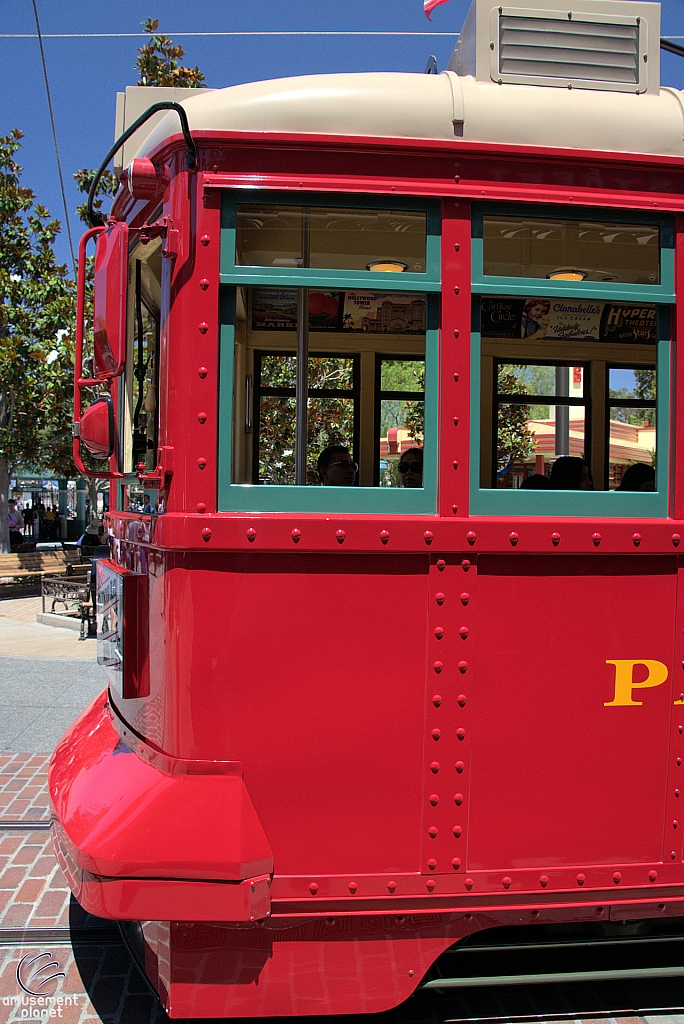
(599,44)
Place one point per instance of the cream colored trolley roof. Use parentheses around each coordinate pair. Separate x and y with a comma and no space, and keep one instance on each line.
(522,76)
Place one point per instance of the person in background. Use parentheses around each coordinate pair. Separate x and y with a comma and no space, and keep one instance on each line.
(536,482)
(638,477)
(571,474)
(411,468)
(28,521)
(16,524)
(91,539)
(336,467)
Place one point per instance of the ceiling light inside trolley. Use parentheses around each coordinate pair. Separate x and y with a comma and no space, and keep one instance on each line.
(567,274)
(387,266)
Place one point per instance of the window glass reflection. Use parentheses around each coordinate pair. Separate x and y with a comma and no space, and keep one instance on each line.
(331,239)
(572,250)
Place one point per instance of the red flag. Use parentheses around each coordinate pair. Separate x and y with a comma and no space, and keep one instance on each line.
(429,5)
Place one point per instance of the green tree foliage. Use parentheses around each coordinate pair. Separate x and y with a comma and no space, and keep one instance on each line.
(108,185)
(645,387)
(330,419)
(515,441)
(158,62)
(37,315)
(403,375)
(645,390)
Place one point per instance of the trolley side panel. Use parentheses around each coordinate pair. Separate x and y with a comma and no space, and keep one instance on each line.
(561,775)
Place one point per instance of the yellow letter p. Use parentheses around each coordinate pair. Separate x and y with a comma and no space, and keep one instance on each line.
(624,682)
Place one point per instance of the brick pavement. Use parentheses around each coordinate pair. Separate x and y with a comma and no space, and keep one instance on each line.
(38,915)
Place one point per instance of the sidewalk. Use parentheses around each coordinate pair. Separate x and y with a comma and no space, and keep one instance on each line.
(46,678)
(21,636)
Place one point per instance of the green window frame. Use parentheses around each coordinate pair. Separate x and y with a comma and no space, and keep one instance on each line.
(293,498)
(614,290)
(612,504)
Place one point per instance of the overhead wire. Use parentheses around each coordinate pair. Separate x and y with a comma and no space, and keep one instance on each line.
(54,136)
(185,35)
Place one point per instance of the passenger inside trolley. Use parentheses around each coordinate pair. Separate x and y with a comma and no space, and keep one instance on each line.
(336,467)
(411,468)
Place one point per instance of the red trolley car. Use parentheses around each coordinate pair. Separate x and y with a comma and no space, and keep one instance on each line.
(347,726)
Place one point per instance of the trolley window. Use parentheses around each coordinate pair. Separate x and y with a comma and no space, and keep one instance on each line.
(139,414)
(349,293)
(571,367)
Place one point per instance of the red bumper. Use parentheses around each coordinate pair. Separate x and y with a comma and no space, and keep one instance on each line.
(142,836)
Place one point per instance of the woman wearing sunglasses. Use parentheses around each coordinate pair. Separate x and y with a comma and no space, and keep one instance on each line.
(411,468)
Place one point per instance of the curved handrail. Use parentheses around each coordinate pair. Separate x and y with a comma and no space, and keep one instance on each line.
(96,219)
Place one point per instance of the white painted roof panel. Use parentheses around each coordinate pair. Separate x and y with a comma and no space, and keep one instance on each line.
(439,107)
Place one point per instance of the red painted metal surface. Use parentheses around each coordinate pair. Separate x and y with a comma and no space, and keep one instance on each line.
(433,728)
(97,431)
(544,741)
(124,816)
(109,300)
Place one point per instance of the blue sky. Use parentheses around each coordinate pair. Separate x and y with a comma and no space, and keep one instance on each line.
(86,73)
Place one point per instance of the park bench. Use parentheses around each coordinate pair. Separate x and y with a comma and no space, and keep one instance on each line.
(24,564)
(70,597)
